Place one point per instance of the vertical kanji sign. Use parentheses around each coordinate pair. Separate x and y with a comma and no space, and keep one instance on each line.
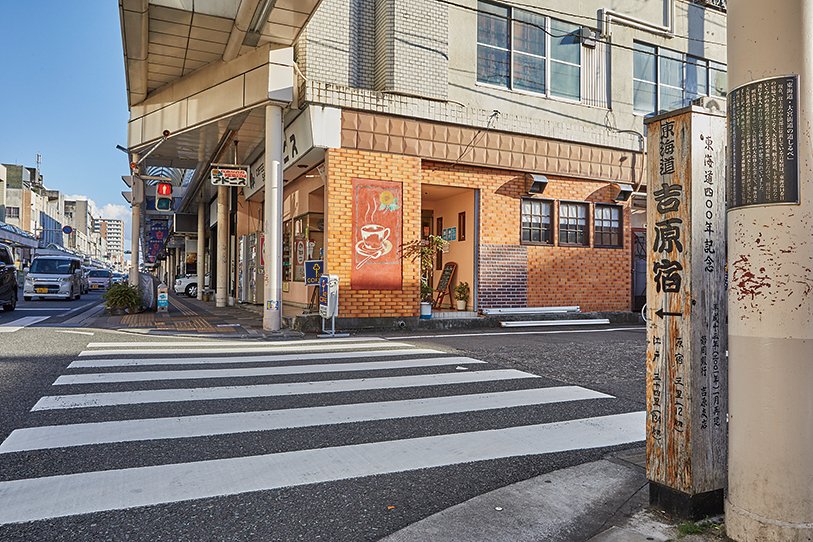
(686,374)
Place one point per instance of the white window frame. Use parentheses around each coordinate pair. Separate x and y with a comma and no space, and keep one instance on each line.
(547,58)
(684,60)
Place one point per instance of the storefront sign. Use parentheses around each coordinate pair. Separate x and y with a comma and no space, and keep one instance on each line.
(377,230)
(304,140)
(313,269)
(229,175)
(764,135)
(328,296)
(686,335)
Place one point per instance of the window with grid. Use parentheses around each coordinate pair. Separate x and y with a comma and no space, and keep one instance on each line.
(536,221)
(663,79)
(12,212)
(522,50)
(607,226)
(573,224)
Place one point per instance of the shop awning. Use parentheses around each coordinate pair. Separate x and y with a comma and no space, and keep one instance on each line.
(14,236)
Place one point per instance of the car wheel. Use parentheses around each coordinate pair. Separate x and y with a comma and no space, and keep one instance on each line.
(11,306)
(191,290)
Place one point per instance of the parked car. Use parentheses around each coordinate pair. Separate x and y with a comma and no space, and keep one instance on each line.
(99,279)
(85,282)
(188,284)
(119,278)
(57,277)
(8,279)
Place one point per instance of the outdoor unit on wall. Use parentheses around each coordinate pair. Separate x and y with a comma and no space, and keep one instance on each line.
(588,37)
(624,192)
(536,183)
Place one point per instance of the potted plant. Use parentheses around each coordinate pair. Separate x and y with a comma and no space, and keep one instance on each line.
(424,251)
(461,295)
(122,297)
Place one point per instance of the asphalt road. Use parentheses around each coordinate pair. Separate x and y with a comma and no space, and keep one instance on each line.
(378,459)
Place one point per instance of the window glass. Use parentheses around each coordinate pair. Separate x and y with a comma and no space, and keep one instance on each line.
(49,266)
(718,80)
(573,223)
(529,33)
(644,62)
(493,45)
(5,257)
(536,221)
(529,72)
(565,81)
(671,68)
(607,224)
(696,78)
(492,25)
(565,44)
(670,98)
(493,66)
(644,97)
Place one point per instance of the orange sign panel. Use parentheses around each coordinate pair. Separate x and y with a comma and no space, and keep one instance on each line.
(377,232)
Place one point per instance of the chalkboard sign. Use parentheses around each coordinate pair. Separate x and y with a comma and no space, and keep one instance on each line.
(445,284)
(446,276)
(763,153)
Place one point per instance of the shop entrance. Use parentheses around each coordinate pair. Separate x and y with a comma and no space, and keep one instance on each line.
(451,212)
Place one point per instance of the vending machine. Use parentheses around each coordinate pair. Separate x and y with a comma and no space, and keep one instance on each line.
(242,271)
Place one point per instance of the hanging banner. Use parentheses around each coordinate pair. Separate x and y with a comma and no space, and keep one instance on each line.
(229,175)
(377,231)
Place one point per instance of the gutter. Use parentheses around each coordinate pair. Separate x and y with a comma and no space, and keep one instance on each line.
(606,16)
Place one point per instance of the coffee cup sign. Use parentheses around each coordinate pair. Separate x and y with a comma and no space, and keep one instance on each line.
(377,224)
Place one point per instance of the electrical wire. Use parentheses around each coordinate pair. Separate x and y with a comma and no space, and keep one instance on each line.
(481,132)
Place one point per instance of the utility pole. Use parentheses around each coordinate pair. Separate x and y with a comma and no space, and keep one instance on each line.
(770,262)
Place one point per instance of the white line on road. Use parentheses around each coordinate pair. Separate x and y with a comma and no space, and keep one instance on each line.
(84,493)
(195,374)
(75,332)
(26,309)
(87,400)
(20,323)
(292,342)
(288,347)
(83,316)
(520,333)
(82,434)
(80,307)
(124,362)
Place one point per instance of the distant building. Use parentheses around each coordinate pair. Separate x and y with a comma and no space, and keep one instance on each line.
(112,231)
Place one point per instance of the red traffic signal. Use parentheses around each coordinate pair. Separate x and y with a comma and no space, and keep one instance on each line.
(163,197)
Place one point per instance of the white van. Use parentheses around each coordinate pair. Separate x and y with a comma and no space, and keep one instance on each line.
(52,277)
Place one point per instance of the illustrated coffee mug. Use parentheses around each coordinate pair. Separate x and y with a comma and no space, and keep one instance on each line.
(373,236)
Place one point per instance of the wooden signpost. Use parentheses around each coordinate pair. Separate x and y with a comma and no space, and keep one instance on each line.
(686,380)
(445,285)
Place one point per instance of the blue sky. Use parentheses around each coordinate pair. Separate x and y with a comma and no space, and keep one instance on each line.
(63,96)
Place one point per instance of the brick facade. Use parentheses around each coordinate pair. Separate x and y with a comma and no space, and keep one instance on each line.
(510,274)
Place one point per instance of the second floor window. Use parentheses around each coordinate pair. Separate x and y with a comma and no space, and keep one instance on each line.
(663,79)
(523,50)
(12,212)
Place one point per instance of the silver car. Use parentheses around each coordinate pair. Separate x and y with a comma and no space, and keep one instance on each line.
(99,279)
(53,277)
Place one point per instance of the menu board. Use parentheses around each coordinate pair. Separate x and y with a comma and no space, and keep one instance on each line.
(763,150)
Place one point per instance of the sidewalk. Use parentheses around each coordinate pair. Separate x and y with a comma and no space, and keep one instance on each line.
(188,316)
(602,501)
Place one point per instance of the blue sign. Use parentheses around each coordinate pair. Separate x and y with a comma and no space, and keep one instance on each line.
(449,234)
(67,230)
(323,285)
(313,270)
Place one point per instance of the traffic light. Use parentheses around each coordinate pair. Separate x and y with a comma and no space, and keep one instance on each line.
(163,197)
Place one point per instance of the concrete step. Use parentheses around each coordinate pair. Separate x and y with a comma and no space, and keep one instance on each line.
(535,323)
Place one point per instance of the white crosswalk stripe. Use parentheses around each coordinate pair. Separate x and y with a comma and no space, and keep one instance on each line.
(20,323)
(408,383)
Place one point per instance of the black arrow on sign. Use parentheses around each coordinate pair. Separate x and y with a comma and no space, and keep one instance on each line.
(662,313)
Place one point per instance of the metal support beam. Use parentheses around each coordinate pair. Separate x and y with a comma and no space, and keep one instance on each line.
(272,220)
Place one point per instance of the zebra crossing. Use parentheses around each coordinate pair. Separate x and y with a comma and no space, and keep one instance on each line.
(443,410)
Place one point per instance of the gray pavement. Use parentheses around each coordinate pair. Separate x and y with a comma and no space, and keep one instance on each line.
(311,440)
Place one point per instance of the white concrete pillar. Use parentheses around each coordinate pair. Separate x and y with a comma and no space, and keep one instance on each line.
(770,250)
(135,231)
(272,219)
(222,293)
(201,265)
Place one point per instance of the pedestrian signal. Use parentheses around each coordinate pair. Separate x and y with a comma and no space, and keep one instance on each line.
(163,197)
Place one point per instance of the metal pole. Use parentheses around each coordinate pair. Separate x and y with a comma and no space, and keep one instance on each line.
(135,232)
(222,293)
(201,265)
(770,250)
(272,219)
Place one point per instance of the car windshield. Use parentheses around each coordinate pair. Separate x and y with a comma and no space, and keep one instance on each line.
(51,267)
(99,274)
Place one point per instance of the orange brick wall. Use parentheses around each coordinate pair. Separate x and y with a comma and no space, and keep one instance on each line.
(342,166)
(596,279)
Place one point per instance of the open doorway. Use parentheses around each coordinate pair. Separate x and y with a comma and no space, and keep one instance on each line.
(451,213)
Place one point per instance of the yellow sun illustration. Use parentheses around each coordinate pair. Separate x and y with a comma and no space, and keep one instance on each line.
(387,197)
